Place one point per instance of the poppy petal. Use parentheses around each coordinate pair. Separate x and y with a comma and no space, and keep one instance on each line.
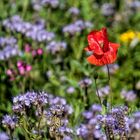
(87,48)
(94,45)
(115,46)
(109,57)
(95,61)
(105,39)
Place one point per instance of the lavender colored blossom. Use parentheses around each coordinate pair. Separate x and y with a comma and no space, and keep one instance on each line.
(134,4)
(70,90)
(104,91)
(28,99)
(56,47)
(128,95)
(9,121)
(108,9)
(65,130)
(57,100)
(67,138)
(4,136)
(38,4)
(96,108)
(52,3)
(34,31)
(8,48)
(74,11)
(82,131)
(134,122)
(88,114)
(85,82)
(76,27)
(112,68)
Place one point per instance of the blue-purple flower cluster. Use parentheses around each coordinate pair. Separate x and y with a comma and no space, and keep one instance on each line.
(112,68)
(56,47)
(86,82)
(104,91)
(38,4)
(10,121)
(76,27)
(74,11)
(51,111)
(4,136)
(108,9)
(128,95)
(115,124)
(8,48)
(91,128)
(34,31)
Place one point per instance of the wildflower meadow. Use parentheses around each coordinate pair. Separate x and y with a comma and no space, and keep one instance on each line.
(69,70)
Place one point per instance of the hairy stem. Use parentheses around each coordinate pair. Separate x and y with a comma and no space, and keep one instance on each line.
(98,92)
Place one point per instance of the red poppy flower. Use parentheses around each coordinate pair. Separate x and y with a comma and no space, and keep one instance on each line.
(104,52)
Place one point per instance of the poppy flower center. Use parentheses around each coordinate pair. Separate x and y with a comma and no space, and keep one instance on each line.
(101,44)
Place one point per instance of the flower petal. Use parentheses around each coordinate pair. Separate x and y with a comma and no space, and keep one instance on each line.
(115,46)
(110,57)
(94,44)
(87,48)
(95,61)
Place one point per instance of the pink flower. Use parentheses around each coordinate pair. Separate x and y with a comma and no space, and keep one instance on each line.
(34,53)
(9,72)
(21,70)
(28,68)
(19,63)
(27,48)
(39,51)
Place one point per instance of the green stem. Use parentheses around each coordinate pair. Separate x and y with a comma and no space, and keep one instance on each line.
(108,72)
(111,97)
(25,6)
(98,93)
(86,98)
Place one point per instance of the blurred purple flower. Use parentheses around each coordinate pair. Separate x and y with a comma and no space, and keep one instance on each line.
(74,11)
(10,121)
(108,9)
(56,47)
(70,90)
(4,136)
(112,68)
(76,27)
(128,95)
(85,82)
(104,91)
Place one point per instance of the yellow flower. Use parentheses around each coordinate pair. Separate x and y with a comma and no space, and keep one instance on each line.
(138,35)
(127,36)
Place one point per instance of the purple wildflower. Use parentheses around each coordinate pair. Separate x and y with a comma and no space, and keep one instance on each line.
(112,68)
(108,9)
(56,47)
(128,95)
(4,136)
(104,91)
(74,11)
(34,31)
(10,121)
(85,82)
(70,90)
(76,27)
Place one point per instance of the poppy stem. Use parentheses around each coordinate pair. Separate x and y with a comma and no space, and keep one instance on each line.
(108,72)
(98,92)
(111,97)
(86,98)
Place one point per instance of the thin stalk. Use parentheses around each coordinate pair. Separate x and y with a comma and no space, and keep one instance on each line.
(111,97)
(108,72)
(86,98)
(98,93)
